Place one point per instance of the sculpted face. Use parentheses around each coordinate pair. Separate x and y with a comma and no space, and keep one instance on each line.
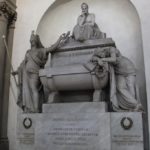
(33,42)
(84,8)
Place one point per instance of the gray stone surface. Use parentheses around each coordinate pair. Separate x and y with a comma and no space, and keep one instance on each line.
(80,126)
(73,131)
(26,137)
(127,139)
(89,107)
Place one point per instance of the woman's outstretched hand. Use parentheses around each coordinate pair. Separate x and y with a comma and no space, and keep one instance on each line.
(64,37)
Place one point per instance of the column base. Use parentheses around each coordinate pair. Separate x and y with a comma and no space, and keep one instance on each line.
(4,144)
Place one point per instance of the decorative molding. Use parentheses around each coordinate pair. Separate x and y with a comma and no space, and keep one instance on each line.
(9,13)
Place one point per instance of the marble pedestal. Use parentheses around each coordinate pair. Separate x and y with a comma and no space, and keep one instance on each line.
(26,131)
(126,131)
(79,126)
(73,126)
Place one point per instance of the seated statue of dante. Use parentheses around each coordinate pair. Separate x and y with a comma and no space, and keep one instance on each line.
(86,27)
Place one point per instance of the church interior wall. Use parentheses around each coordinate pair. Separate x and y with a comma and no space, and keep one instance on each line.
(133,42)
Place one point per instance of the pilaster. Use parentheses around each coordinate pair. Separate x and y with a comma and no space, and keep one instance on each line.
(8,17)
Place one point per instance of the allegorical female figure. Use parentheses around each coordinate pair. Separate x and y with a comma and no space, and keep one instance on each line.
(124,94)
(30,89)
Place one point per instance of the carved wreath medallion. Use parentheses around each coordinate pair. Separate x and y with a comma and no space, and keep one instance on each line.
(27,123)
(126,123)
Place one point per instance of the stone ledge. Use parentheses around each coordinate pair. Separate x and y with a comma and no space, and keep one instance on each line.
(86,107)
(88,44)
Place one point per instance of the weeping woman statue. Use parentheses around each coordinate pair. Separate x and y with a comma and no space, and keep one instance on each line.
(124,94)
(30,88)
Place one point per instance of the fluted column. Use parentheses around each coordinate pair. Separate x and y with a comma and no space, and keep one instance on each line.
(7,20)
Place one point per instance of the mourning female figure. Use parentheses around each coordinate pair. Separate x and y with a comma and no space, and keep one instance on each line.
(30,88)
(124,94)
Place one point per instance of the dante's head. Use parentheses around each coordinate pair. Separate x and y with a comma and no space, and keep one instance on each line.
(84,7)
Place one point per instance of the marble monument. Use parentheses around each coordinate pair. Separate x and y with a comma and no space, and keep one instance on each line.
(87,99)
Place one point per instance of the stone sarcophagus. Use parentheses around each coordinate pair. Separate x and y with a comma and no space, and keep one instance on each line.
(71,74)
(79,77)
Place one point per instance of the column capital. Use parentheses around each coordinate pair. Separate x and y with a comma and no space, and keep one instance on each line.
(8,12)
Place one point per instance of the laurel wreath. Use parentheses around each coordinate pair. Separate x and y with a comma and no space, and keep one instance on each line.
(126,127)
(30,123)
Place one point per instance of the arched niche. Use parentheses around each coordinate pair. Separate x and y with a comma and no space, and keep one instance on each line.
(117,18)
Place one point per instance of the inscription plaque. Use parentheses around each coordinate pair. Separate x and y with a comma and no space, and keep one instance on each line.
(72,57)
(79,131)
(26,136)
(126,139)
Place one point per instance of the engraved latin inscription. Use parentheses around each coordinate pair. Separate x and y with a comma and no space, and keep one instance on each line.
(71,134)
(26,138)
